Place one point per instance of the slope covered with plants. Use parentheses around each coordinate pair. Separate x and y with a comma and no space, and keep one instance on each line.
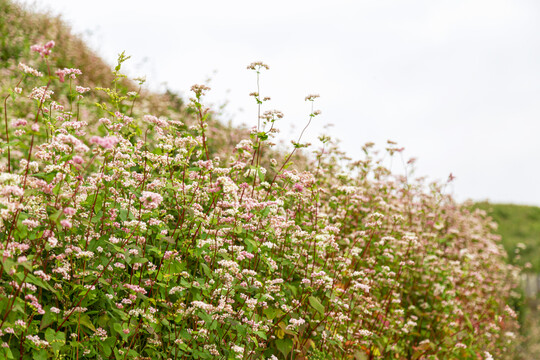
(519,228)
(131,234)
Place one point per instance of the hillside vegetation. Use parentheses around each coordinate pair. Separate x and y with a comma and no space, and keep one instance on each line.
(519,228)
(136,226)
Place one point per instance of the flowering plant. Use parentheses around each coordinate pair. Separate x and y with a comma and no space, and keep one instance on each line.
(125,236)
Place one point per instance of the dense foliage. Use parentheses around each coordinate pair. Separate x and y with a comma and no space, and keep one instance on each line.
(125,236)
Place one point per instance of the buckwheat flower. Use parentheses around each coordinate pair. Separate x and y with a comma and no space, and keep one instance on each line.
(101,333)
(69,211)
(42,275)
(18,122)
(272,115)
(107,142)
(20,323)
(41,93)
(239,350)
(199,90)
(12,190)
(298,187)
(30,223)
(84,254)
(35,127)
(61,74)
(29,70)
(105,121)
(43,50)
(78,159)
(135,288)
(150,199)
(70,72)
(52,241)
(81,89)
(37,341)
(55,310)
(312,97)
(364,332)
(154,120)
(487,356)
(66,223)
(257,65)
(17,90)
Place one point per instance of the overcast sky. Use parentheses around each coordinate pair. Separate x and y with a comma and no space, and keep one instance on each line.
(456,82)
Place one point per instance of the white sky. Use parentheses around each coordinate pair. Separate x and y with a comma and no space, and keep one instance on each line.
(456,82)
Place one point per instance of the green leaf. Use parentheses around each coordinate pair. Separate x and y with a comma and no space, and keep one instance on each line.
(206,317)
(56,216)
(118,328)
(107,345)
(56,189)
(261,334)
(40,355)
(39,282)
(56,339)
(284,346)
(47,319)
(271,313)
(85,320)
(469,323)
(6,352)
(207,270)
(316,304)
(139,260)
(262,135)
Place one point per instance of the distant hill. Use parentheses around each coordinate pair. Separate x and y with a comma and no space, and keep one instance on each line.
(518,224)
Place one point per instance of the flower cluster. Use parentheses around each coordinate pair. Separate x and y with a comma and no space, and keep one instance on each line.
(139,241)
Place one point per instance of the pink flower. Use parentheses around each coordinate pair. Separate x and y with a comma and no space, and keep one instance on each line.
(43,50)
(66,223)
(69,211)
(19,122)
(77,159)
(12,190)
(150,199)
(107,142)
(154,120)
(29,70)
(71,72)
(82,90)
(61,75)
